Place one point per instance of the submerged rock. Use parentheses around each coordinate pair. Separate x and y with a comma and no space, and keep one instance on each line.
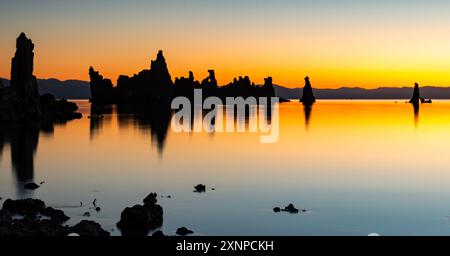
(140,219)
(31,186)
(200,188)
(183,231)
(89,228)
(277,209)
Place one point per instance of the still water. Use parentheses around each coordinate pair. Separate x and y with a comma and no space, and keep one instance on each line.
(357,167)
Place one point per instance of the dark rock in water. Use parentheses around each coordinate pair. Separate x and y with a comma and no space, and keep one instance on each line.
(87,214)
(277,209)
(149,86)
(31,186)
(56,216)
(23,82)
(151,199)
(155,86)
(21,101)
(33,207)
(32,225)
(26,207)
(200,188)
(308,95)
(35,227)
(424,101)
(140,219)
(58,110)
(98,209)
(158,233)
(89,228)
(291,209)
(102,90)
(184,231)
(415,99)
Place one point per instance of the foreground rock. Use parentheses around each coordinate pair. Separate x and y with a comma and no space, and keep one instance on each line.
(32,208)
(184,231)
(140,219)
(31,222)
(89,228)
(31,186)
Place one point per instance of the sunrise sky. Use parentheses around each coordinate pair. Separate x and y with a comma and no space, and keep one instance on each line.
(336,42)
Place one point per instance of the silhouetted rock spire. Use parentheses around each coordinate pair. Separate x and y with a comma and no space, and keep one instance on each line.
(154,86)
(160,71)
(268,88)
(308,95)
(416,94)
(23,82)
(210,81)
(21,101)
(101,88)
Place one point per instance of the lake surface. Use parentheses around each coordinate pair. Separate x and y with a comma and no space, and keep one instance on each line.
(357,167)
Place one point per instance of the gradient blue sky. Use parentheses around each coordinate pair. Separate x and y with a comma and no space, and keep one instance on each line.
(337,43)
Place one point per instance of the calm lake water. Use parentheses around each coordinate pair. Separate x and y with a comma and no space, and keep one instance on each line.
(358,167)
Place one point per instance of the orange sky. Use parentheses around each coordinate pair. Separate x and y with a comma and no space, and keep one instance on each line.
(347,44)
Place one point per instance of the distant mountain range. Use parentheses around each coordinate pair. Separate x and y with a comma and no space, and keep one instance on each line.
(77,89)
(69,89)
(361,93)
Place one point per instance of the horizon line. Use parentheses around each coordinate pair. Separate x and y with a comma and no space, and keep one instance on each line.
(291,88)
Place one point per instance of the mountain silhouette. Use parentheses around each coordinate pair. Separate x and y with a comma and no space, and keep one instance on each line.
(361,93)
